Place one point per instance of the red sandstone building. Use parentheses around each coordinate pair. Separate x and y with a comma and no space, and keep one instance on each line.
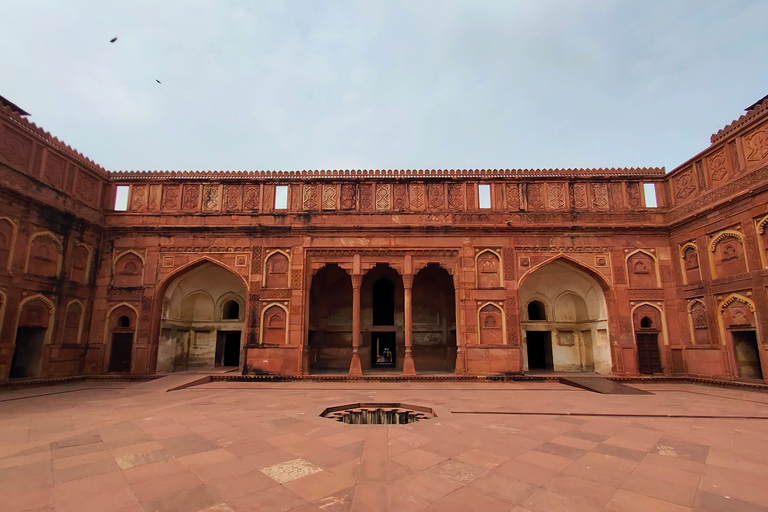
(461,271)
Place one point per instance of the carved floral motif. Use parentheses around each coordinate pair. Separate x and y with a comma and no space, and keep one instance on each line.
(734,156)
(684,185)
(756,144)
(455,196)
(138,197)
(436,195)
(87,188)
(417,196)
(189,197)
(15,149)
(556,196)
(382,196)
(210,197)
(633,194)
(251,194)
(535,196)
(55,167)
(398,194)
(366,201)
(580,195)
(347,196)
(231,197)
(154,197)
(170,197)
(600,195)
(310,197)
(329,197)
(513,196)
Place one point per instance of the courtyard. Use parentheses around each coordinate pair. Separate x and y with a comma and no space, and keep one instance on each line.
(123,446)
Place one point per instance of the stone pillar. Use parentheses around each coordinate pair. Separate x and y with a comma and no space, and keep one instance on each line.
(355,369)
(459,368)
(408,366)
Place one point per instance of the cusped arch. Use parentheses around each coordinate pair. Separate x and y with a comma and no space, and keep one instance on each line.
(43,264)
(276,271)
(73,321)
(223,302)
(23,319)
(491,324)
(578,265)
(760,225)
(735,297)
(270,328)
(724,235)
(488,269)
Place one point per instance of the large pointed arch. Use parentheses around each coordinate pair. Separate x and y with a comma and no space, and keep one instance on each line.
(578,265)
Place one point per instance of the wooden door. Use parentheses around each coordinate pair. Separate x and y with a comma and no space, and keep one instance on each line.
(648,357)
(120,353)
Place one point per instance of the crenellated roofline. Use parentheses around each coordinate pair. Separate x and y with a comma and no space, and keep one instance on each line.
(631,172)
(754,112)
(31,128)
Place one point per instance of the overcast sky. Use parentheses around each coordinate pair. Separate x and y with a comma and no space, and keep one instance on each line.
(250,85)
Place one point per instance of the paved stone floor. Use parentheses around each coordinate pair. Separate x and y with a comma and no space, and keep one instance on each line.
(222,447)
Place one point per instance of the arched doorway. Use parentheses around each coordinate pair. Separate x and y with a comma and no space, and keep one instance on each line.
(382,320)
(330,320)
(33,332)
(647,323)
(434,320)
(202,319)
(564,320)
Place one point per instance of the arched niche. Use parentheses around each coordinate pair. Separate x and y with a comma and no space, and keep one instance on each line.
(648,323)
(642,270)
(689,259)
(73,322)
(382,317)
(490,319)
(128,270)
(33,332)
(274,325)
(488,269)
(573,333)
(7,242)
(230,308)
(276,270)
(81,256)
(193,330)
(697,317)
(727,254)
(44,255)
(329,326)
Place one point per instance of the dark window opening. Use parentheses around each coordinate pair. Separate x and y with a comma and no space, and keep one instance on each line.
(231,310)
(123,321)
(646,323)
(536,311)
(383,302)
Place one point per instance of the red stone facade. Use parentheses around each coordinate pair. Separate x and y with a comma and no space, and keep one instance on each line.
(462,271)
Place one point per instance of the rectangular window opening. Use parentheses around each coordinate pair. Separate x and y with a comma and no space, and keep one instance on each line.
(650,195)
(281,197)
(121,198)
(484,195)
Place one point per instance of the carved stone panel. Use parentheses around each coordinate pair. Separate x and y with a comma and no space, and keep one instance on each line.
(329,197)
(211,199)
(138,197)
(633,195)
(436,196)
(455,196)
(153,204)
(310,197)
(382,196)
(347,196)
(251,197)
(557,196)
(366,197)
(87,188)
(580,196)
(756,145)
(512,195)
(488,270)
(536,196)
(231,198)
(617,196)
(170,197)
(15,149)
(600,196)
(642,271)
(491,326)
(684,185)
(277,271)
(417,197)
(190,197)
(734,156)
(55,167)
(398,196)
(717,166)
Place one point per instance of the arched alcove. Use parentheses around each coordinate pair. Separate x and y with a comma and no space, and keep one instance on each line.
(434,320)
(330,320)
(574,336)
(193,330)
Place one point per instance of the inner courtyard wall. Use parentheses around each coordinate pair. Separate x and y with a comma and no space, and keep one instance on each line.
(83,275)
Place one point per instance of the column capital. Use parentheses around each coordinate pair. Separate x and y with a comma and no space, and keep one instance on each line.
(357,280)
(407,281)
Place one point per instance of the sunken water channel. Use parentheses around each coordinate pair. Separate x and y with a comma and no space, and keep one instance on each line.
(378,414)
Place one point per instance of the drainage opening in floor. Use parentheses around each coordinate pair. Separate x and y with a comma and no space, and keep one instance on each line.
(378,414)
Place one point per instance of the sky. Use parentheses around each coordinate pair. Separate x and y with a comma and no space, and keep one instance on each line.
(390,84)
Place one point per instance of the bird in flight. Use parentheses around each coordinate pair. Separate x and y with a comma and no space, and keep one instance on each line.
(158,81)
(113,40)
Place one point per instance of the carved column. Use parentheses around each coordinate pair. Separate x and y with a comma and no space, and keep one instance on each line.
(459,368)
(408,366)
(355,368)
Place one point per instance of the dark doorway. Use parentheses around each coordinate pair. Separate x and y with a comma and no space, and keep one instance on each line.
(120,353)
(383,302)
(648,357)
(383,353)
(747,354)
(228,348)
(539,350)
(28,355)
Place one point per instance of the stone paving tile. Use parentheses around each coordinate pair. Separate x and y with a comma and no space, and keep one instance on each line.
(138,449)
